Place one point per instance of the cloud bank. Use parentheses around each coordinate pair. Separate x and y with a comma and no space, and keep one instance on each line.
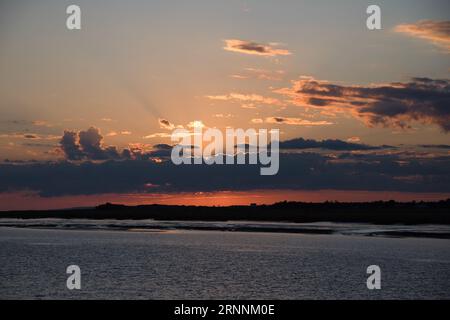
(303,166)
(298,171)
(396,104)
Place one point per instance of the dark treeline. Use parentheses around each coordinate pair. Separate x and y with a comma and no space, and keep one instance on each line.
(380,212)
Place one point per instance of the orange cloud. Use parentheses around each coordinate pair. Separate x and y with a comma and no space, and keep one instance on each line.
(248,99)
(437,32)
(296,121)
(354,139)
(221,115)
(253,48)
(35,136)
(260,74)
(157,135)
(114,133)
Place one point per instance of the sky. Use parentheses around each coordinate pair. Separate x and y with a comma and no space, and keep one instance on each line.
(86,115)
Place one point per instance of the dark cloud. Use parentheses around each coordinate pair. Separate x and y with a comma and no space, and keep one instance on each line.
(298,171)
(87,145)
(159,151)
(295,121)
(329,144)
(252,46)
(421,100)
(435,146)
(70,147)
(90,142)
(163,146)
(132,170)
(127,154)
(397,104)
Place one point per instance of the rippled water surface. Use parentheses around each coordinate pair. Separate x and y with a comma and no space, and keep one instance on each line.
(218,265)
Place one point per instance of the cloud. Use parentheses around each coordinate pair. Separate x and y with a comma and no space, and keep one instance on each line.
(19,135)
(253,48)
(36,123)
(397,104)
(165,124)
(88,145)
(70,147)
(39,145)
(238,76)
(340,168)
(298,171)
(329,144)
(221,115)
(115,133)
(161,150)
(41,123)
(260,74)
(437,32)
(296,121)
(196,124)
(248,100)
(90,142)
(157,135)
(354,139)
(435,146)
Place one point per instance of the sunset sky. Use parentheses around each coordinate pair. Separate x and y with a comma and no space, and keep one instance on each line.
(86,115)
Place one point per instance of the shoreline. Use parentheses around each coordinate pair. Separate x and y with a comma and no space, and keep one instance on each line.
(379,213)
(305,230)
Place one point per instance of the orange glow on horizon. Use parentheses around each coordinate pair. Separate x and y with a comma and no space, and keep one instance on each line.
(28,201)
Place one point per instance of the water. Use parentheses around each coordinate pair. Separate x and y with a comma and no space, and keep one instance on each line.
(427,231)
(182,264)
